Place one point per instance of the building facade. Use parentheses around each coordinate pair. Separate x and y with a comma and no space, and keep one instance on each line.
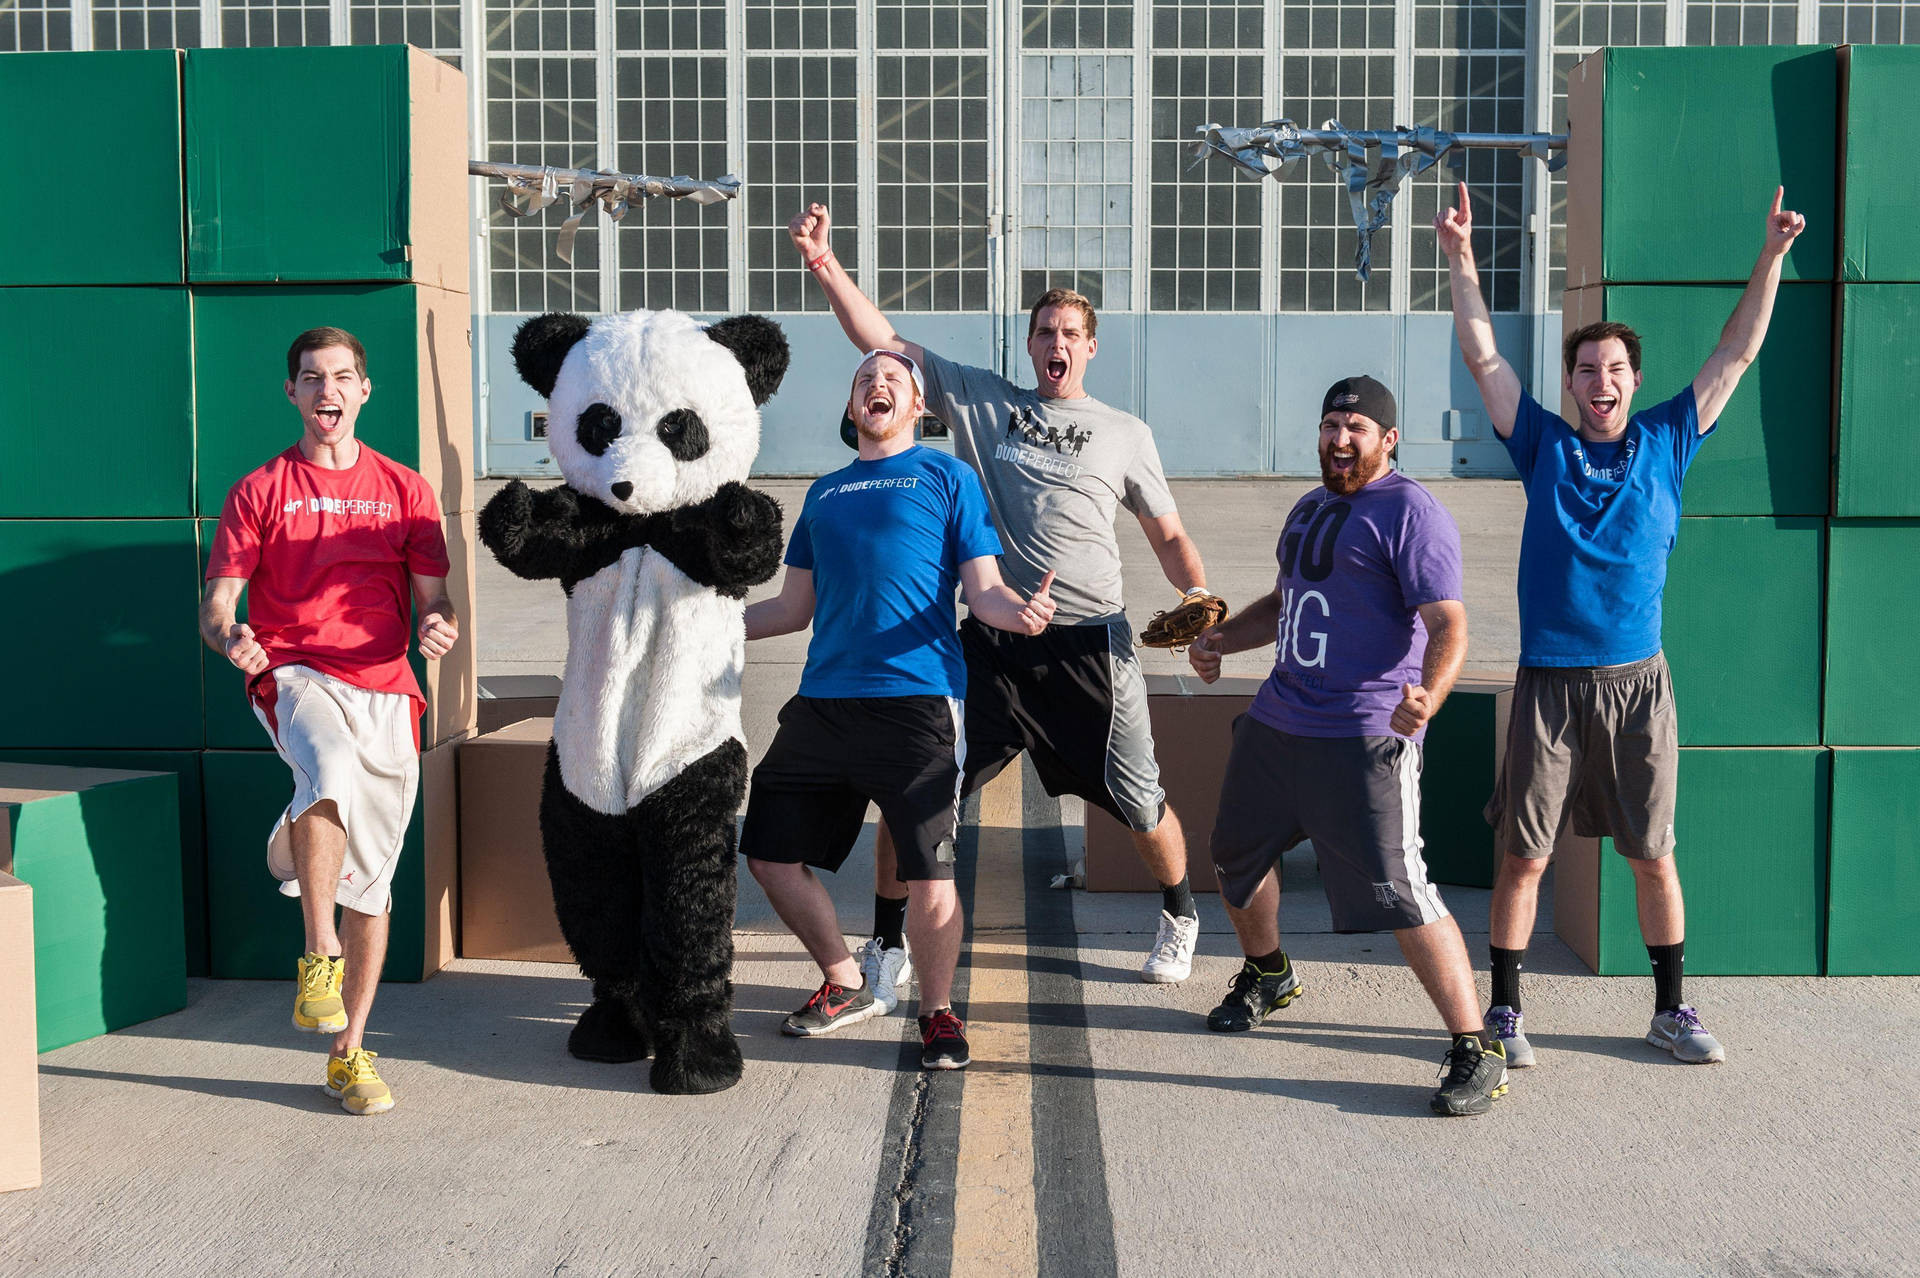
(975,152)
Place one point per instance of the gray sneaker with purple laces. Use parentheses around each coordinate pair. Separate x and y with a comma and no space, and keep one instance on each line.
(1681,1033)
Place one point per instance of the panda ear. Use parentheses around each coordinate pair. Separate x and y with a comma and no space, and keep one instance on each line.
(541,346)
(761,348)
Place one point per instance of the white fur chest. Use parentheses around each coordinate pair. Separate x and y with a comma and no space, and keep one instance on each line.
(652,682)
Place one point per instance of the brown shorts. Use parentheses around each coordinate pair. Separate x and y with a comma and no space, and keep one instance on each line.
(1597,746)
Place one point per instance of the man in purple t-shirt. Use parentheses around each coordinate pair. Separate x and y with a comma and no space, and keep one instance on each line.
(1369,634)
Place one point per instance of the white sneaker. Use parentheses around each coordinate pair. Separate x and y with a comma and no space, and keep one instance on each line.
(889,973)
(1172,956)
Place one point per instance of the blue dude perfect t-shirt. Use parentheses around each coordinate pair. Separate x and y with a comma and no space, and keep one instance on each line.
(885,540)
(1601,521)
(1354,572)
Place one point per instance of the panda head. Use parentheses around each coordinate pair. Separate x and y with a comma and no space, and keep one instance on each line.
(651,410)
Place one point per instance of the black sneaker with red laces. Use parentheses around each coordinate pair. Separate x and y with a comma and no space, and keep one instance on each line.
(943,1044)
(831,1007)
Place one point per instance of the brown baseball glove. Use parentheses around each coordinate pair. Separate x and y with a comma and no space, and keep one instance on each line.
(1178,627)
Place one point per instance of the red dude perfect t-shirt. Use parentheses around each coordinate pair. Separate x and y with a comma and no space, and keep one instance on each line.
(327,556)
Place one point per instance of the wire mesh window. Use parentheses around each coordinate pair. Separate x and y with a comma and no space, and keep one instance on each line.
(274,22)
(1475,82)
(929,24)
(1076,176)
(433,27)
(800,24)
(1859,22)
(139,24)
(802,144)
(1204,237)
(931,182)
(1076,24)
(1741,21)
(542,110)
(670,116)
(1317,237)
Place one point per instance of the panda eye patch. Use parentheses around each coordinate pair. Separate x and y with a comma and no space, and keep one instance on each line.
(598,427)
(684,434)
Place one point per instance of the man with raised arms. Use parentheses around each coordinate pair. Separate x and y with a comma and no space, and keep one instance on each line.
(1055,463)
(1594,739)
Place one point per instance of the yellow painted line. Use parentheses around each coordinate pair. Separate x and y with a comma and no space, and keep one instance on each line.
(995,1227)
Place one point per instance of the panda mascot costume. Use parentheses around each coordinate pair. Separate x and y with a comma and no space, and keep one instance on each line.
(654,420)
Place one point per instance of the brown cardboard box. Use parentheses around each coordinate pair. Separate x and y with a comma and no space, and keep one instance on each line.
(506,903)
(506,699)
(439,245)
(1192,732)
(452,684)
(444,360)
(19,1071)
(1576,895)
(440,854)
(1584,84)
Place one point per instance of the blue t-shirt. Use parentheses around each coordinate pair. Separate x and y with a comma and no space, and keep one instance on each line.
(885,540)
(1354,572)
(1601,521)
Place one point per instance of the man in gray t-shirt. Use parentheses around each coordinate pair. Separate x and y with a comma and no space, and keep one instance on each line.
(1055,463)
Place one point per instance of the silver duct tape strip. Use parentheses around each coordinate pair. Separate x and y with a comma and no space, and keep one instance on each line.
(1404,153)
(530,188)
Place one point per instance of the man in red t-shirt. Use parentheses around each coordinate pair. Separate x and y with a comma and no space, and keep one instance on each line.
(332,542)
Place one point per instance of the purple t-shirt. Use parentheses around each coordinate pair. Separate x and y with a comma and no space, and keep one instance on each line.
(1353,573)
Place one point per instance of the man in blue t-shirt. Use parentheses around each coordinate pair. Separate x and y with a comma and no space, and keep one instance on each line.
(877,552)
(1368,633)
(1593,739)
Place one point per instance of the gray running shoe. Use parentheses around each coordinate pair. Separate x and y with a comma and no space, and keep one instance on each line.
(1471,1078)
(1503,1024)
(889,973)
(1681,1033)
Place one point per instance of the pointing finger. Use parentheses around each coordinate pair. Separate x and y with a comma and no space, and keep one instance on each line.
(1779,194)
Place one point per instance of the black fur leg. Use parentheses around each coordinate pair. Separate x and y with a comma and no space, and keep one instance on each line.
(684,835)
(609,1030)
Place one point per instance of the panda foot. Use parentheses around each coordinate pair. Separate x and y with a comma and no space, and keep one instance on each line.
(695,1059)
(608,1033)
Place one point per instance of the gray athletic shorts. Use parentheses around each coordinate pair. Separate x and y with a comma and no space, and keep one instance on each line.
(1595,745)
(1357,798)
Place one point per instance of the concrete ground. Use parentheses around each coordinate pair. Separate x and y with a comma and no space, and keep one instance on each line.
(1101,1129)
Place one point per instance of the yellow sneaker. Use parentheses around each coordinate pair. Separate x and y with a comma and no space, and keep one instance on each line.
(353,1082)
(317,1007)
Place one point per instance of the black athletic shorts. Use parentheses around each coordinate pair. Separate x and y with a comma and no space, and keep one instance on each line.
(1074,698)
(832,755)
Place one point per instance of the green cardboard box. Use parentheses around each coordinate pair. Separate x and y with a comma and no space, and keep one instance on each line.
(1873,882)
(1876,472)
(418,358)
(1752,829)
(256,933)
(326,164)
(1459,762)
(1673,155)
(185,766)
(1741,630)
(96,137)
(104,628)
(101,851)
(56,345)
(1878,193)
(1769,452)
(1873,609)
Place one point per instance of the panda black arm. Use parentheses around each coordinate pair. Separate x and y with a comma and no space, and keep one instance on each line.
(534,535)
(730,542)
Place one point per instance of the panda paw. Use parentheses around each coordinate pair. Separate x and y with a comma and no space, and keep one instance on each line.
(742,531)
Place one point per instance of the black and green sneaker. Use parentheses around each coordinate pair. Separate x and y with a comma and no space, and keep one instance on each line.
(1471,1077)
(1253,996)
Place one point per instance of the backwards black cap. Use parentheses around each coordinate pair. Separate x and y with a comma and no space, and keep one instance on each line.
(1362,395)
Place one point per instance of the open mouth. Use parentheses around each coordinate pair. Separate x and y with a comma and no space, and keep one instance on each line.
(1603,405)
(1056,369)
(1343,460)
(328,416)
(879,404)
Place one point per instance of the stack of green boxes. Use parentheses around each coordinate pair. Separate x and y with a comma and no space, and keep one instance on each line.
(257,192)
(1675,154)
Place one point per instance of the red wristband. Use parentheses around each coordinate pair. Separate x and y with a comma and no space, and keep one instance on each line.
(813,264)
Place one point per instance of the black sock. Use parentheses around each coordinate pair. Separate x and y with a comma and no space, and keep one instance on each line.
(1506,976)
(1274,964)
(1177,898)
(1668,964)
(890,922)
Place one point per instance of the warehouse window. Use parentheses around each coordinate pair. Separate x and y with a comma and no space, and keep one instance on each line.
(1317,236)
(1741,21)
(1858,22)
(541,110)
(35,26)
(802,144)
(1076,176)
(670,116)
(273,22)
(929,24)
(931,179)
(430,26)
(1204,245)
(134,24)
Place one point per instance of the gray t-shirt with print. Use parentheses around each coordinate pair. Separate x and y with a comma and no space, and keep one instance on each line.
(1054,469)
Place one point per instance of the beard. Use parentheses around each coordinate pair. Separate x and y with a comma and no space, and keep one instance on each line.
(1367,467)
(885,430)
